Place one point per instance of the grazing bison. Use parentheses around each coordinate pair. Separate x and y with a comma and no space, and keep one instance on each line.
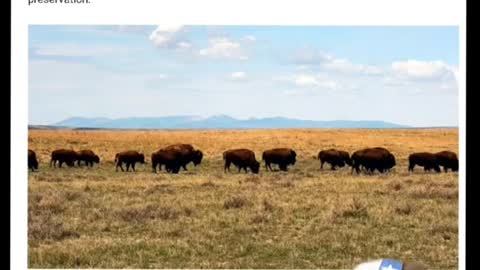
(32,160)
(423,159)
(186,155)
(130,158)
(336,158)
(448,160)
(170,158)
(373,158)
(63,155)
(87,156)
(281,156)
(242,158)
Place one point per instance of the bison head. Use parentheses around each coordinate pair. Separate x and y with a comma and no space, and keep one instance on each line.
(141,158)
(35,164)
(348,160)
(255,166)
(197,157)
(293,157)
(96,159)
(391,161)
(455,166)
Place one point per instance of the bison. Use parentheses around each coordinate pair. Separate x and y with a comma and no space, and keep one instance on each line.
(448,160)
(130,158)
(336,158)
(87,156)
(424,159)
(32,160)
(63,155)
(373,158)
(281,156)
(186,155)
(242,158)
(170,158)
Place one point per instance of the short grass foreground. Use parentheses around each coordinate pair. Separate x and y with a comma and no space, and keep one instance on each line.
(205,218)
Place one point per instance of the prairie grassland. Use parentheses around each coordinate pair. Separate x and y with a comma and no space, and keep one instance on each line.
(204,218)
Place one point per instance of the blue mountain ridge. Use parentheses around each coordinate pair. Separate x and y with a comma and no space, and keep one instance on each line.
(215,122)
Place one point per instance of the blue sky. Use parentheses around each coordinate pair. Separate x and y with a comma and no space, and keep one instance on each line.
(406,75)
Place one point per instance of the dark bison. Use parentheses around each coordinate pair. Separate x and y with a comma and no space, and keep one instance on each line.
(32,160)
(186,154)
(336,158)
(373,158)
(87,156)
(242,158)
(130,158)
(281,156)
(170,158)
(448,160)
(63,155)
(423,159)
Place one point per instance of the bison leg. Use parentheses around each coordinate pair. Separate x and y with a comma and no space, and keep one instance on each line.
(245,168)
(410,167)
(332,166)
(128,166)
(266,165)
(154,167)
(226,166)
(119,164)
(321,164)
(60,162)
(175,169)
(133,166)
(445,168)
(184,167)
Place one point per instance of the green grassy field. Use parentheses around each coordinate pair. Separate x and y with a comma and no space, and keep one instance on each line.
(204,218)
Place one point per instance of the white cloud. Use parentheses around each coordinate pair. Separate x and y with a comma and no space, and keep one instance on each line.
(75,50)
(162,76)
(422,70)
(238,76)
(249,38)
(167,36)
(345,66)
(310,57)
(305,80)
(223,48)
(137,29)
(184,45)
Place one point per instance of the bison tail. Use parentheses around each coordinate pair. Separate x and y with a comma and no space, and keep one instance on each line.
(224,155)
(116,158)
(263,156)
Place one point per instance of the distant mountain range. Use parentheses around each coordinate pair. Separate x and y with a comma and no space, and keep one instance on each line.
(214,122)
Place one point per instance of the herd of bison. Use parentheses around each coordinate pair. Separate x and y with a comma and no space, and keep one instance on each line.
(177,156)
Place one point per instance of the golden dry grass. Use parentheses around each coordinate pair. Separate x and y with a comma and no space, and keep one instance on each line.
(204,218)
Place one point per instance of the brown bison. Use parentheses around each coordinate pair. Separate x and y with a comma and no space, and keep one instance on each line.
(87,156)
(423,159)
(170,158)
(186,155)
(373,158)
(32,160)
(63,155)
(448,160)
(130,158)
(281,156)
(242,158)
(336,158)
